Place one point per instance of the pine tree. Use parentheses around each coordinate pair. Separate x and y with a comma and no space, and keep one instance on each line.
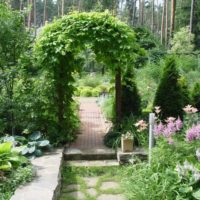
(170,96)
(131,102)
(196,96)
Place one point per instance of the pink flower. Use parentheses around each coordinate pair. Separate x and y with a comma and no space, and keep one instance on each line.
(157,109)
(141,125)
(179,124)
(158,129)
(193,133)
(170,119)
(189,109)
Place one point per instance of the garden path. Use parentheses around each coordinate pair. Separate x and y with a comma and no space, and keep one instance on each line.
(93,125)
(89,144)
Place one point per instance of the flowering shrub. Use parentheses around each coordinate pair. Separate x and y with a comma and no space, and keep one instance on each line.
(141,125)
(193,133)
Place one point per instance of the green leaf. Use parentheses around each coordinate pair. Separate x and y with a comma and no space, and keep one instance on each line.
(5,147)
(31,149)
(38,153)
(43,143)
(5,166)
(35,135)
(196,194)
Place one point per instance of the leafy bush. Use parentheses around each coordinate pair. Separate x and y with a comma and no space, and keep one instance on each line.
(131,102)
(169,95)
(32,146)
(196,96)
(9,158)
(130,124)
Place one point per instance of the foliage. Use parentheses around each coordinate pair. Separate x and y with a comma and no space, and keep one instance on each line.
(9,158)
(12,181)
(31,146)
(130,124)
(14,40)
(112,41)
(169,95)
(174,172)
(182,41)
(196,96)
(131,102)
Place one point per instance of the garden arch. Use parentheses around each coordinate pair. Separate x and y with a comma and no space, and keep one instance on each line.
(58,50)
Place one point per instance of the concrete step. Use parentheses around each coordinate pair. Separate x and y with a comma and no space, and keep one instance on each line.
(92,163)
(89,154)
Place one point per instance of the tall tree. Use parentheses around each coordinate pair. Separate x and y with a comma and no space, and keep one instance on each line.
(152,18)
(45,12)
(173,6)
(30,5)
(191,15)
(163,22)
(166,24)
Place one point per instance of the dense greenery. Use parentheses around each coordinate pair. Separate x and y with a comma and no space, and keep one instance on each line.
(169,95)
(112,41)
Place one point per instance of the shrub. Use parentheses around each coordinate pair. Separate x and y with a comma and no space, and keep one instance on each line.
(86,92)
(169,95)
(196,96)
(131,102)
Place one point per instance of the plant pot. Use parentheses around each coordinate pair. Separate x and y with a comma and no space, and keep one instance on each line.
(126,144)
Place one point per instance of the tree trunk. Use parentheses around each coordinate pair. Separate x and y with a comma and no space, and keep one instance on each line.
(62,7)
(166,24)
(134,12)
(30,4)
(152,17)
(191,15)
(34,18)
(45,12)
(158,21)
(58,7)
(142,12)
(118,95)
(173,4)
(163,22)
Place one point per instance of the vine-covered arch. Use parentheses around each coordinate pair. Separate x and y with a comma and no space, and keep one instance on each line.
(58,50)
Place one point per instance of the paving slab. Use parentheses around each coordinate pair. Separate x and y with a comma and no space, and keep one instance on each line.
(76,195)
(109,185)
(91,181)
(92,192)
(71,187)
(46,184)
(111,197)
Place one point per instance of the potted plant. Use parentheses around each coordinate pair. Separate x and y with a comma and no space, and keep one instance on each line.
(127,142)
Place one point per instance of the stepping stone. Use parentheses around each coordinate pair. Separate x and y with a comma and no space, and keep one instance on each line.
(111,197)
(109,185)
(91,181)
(72,187)
(76,195)
(92,192)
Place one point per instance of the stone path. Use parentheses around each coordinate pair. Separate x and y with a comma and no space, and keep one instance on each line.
(94,189)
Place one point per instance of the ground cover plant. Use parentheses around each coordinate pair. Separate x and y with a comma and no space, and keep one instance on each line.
(15,169)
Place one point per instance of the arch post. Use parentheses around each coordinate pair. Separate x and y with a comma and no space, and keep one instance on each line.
(118,95)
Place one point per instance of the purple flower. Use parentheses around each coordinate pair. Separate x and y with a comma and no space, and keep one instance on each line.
(179,124)
(171,127)
(158,129)
(193,133)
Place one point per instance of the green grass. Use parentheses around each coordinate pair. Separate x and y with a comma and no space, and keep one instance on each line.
(76,175)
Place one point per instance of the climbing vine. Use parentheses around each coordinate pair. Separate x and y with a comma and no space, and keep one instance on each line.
(58,49)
